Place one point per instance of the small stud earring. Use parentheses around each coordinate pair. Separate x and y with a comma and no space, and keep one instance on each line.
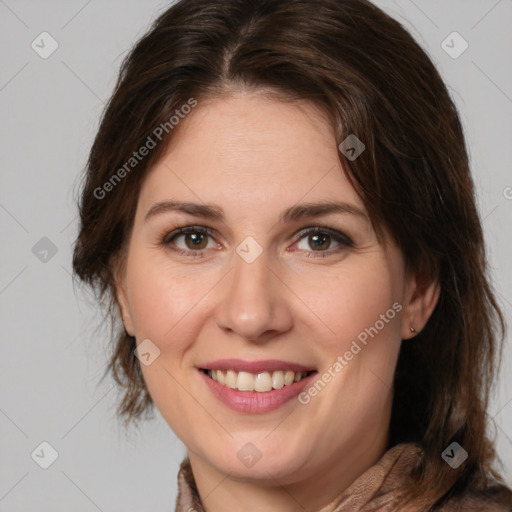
(413,330)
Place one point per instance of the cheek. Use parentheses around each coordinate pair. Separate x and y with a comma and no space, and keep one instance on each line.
(360,311)
(349,300)
(164,299)
(166,306)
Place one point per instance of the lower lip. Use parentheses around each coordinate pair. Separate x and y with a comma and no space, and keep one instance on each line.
(255,402)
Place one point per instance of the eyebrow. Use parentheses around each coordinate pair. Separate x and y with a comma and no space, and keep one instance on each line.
(294,213)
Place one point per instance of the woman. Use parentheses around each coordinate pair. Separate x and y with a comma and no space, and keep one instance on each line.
(278,205)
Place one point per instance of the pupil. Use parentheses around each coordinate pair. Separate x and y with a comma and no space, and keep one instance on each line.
(323,239)
(196,239)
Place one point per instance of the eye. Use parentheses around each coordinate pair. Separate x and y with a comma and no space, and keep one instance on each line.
(191,240)
(320,240)
(194,240)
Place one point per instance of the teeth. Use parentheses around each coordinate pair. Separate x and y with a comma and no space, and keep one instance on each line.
(262,382)
(277,380)
(245,382)
(230,380)
(288,378)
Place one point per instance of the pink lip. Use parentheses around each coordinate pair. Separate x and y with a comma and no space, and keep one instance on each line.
(254,402)
(269,365)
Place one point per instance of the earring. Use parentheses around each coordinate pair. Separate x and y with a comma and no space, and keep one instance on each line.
(413,330)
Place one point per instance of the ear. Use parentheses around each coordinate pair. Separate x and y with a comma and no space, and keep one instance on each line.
(118,269)
(420,298)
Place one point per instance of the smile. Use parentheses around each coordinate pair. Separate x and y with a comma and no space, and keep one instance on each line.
(261,382)
(255,387)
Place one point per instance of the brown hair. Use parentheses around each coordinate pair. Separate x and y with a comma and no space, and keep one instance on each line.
(370,77)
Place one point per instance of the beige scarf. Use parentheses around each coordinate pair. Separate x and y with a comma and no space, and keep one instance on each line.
(376,489)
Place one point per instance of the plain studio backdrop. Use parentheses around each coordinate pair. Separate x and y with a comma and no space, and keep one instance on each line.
(51,98)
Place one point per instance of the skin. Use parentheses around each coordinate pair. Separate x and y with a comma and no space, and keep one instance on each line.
(254,156)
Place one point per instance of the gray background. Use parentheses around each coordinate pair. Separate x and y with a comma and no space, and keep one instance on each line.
(52,352)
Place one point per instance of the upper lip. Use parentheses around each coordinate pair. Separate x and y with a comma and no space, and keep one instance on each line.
(240,365)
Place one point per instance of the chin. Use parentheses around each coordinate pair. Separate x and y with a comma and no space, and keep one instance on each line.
(261,461)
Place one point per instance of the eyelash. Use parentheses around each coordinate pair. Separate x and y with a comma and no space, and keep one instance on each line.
(337,236)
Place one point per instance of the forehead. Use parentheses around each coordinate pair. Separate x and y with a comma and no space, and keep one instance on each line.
(249,151)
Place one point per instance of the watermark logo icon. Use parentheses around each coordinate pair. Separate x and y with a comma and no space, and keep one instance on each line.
(44,250)
(44,45)
(44,455)
(352,147)
(454,45)
(249,250)
(147,352)
(249,455)
(454,455)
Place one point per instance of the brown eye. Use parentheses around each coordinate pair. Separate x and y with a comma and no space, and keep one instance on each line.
(319,242)
(323,241)
(189,240)
(196,241)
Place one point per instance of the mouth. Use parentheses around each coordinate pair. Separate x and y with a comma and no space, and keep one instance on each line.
(261,382)
(255,386)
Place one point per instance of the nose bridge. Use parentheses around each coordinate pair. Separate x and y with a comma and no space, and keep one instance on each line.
(254,302)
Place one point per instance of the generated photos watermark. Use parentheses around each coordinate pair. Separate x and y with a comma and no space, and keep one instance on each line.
(343,360)
(145,149)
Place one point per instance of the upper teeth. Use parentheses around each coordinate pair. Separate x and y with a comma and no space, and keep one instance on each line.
(262,382)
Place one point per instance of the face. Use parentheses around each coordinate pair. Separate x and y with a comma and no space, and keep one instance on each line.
(276,323)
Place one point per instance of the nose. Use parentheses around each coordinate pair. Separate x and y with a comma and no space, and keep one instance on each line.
(255,302)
